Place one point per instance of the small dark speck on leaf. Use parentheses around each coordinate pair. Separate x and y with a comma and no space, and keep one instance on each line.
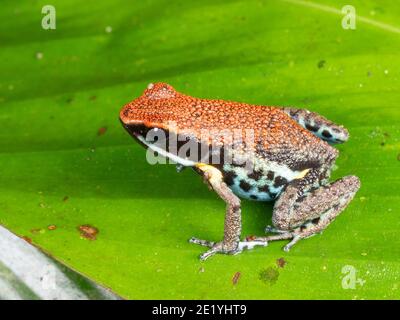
(102,131)
(269,275)
(387,135)
(321,64)
(236,278)
(93,98)
(52,227)
(69,100)
(36,231)
(281,262)
(65,199)
(382,143)
(89,232)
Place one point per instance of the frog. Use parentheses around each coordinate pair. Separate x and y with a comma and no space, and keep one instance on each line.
(291,158)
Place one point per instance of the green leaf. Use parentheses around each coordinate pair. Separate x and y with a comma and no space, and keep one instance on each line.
(28,273)
(60,88)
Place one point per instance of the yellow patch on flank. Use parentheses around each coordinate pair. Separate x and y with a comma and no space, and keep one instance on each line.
(302,174)
(215,174)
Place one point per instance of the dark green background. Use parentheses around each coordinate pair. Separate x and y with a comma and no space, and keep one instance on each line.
(263,52)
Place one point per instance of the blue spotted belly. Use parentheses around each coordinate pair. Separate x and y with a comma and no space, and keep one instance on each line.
(262,183)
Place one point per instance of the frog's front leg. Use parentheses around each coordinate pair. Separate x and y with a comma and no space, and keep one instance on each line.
(298,215)
(318,125)
(231,243)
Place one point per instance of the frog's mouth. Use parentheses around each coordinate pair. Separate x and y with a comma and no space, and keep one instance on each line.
(141,134)
(135,129)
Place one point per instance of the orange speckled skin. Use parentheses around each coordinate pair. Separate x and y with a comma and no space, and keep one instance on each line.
(276,135)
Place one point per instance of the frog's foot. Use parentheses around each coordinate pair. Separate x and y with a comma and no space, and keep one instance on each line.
(295,235)
(281,235)
(220,247)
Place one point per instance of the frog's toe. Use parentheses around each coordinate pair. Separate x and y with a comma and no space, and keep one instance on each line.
(294,236)
(204,243)
(270,229)
(215,247)
(219,247)
(295,239)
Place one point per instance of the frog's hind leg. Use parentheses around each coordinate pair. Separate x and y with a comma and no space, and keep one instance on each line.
(300,215)
(318,125)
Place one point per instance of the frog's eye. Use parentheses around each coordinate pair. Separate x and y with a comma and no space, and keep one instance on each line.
(160,91)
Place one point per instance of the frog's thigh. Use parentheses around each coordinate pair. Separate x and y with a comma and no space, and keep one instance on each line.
(318,125)
(312,212)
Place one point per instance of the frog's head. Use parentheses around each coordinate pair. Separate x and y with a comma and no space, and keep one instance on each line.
(155,108)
